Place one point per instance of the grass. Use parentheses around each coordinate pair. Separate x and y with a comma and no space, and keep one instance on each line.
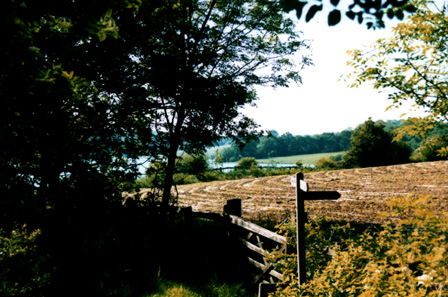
(212,288)
(306,159)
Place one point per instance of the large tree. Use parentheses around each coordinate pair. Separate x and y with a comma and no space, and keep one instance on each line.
(197,67)
(412,65)
(59,134)
(371,145)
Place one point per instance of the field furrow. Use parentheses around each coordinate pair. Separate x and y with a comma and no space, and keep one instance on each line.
(364,192)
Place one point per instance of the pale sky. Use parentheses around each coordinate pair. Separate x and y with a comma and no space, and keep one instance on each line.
(322,104)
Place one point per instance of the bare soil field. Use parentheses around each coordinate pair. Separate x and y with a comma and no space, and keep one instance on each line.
(364,192)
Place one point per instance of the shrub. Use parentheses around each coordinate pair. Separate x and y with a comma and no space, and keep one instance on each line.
(184,179)
(408,258)
(21,272)
(327,163)
(430,149)
(192,164)
(246,163)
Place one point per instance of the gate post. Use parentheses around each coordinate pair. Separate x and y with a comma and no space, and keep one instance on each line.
(301,221)
(233,207)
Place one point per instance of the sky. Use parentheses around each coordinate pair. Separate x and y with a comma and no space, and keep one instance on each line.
(322,103)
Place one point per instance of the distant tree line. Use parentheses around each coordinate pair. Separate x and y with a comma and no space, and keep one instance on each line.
(276,145)
(288,145)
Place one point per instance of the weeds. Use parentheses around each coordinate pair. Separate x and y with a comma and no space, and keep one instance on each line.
(408,258)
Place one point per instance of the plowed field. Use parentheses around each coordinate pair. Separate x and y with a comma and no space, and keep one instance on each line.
(364,192)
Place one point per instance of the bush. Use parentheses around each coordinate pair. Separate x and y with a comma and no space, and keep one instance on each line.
(327,163)
(429,149)
(246,163)
(184,179)
(21,269)
(408,258)
(192,164)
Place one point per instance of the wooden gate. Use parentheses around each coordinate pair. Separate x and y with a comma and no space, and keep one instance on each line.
(256,242)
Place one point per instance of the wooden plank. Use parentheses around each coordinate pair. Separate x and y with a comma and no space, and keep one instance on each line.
(265,269)
(257,229)
(253,247)
(256,263)
(277,275)
(322,195)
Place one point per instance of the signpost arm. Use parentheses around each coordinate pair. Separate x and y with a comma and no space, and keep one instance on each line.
(301,220)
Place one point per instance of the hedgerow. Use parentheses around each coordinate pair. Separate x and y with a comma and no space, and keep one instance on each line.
(405,257)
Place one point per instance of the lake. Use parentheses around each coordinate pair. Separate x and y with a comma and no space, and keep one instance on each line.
(142,168)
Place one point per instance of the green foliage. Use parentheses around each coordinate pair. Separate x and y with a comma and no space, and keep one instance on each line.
(219,160)
(21,267)
(299,164)
(192,164)
(370,12)
(411,65)
(328,163)
(275,146)
(211,288)
(431,149)
(404,258)
(373,146)
(246,163)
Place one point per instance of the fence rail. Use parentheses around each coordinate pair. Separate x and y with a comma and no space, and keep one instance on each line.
(257,242)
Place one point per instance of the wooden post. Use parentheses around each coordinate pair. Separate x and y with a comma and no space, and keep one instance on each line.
(301,220)
(303,194)
(233,207)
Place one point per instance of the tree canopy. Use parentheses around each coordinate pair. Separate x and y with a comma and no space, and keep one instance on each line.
(371,145)
(199,65)
(370,12)
(411,66)
(89,86)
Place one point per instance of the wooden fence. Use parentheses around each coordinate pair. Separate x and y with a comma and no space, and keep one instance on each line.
(257,242)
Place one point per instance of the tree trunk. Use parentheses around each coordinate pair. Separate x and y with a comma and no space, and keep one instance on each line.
(168,183)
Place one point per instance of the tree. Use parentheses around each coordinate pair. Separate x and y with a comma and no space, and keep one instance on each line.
(412,65)
(192,164)
(373,146)
(370,11)
(59,134)
(198,66)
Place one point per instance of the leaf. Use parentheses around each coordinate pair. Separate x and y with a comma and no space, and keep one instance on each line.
(350,14)
(360,17)
(109,13)
(101,36)
(389,107)
(299,8)
(288,5)
(399,14)
(312,12)
(390,14)
(410,8)
(334,2)
(334,17)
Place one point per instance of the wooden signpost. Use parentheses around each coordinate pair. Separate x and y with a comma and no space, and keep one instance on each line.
(303,194)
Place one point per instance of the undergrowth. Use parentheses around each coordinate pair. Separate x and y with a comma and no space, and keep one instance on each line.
(405,258)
